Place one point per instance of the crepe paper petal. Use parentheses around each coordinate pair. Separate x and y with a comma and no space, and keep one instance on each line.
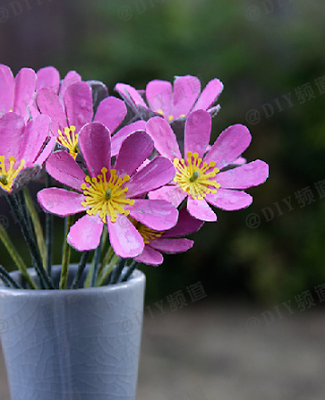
(35,135)
(62,167)
(186,91)
(171,246)
(186,224)
(159,95)
(156,214)
(7,83)
(150,256)
(119,137)
(12,128)
(130,94)
(229,200)
(61,202)
(200,209)
(197,132)
(124,238)
(209,95)
(172,193)
(25,85)
(164,138)
(111,112)
(135,149)
(85,234)
(245,176)
(157,173)
(49,104)
(70,78)
(230,144)
(48,77)
(46,152)
(95,146)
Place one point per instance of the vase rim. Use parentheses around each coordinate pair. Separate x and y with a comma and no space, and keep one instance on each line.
(137,277)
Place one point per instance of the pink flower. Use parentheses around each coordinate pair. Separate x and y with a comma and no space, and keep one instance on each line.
(23,150)
(49,77)
(202,177)
(167,241)
(173,102)
(17,94)
(110,195)
(75,109)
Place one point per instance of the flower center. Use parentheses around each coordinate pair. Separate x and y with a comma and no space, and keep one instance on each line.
(69,139)
(7,177)
(106,198)
(194,177)
(148,234)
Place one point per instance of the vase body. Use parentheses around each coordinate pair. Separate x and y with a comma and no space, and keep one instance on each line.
(81,344)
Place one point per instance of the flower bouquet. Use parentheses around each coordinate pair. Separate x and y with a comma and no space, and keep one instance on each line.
(142,174)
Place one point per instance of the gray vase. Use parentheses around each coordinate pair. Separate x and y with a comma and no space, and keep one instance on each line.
(81,344)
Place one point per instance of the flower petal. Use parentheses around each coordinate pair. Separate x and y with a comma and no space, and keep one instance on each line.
(46,152)
(186,224)
(25,85)
(150,256)
(159,96)
(209,95)
(49,104)
(135,149)
(63,167)
(95,145)
(156,214)
(229,200)
(157,173)
(172,193)
(229,145)
(124,237)
(85,234)
(12,128)
(48,77)
(164,138)
(123,133)
(130,94)
(171,246)
(7,82)
(186,91)
(61,202)
(197,132)
(35,135)
(78,102)
(70,78)
(111,112)
(245,176)
(200,209)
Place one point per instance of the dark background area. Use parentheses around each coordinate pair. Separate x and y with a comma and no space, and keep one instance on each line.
(269,55)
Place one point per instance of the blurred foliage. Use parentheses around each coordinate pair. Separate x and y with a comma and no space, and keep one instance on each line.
(264,52)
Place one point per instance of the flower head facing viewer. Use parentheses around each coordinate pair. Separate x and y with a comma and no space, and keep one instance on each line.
(23,150)
(109,195)
(202,176)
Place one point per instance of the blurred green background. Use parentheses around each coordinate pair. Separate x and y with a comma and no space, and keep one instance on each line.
(269,55)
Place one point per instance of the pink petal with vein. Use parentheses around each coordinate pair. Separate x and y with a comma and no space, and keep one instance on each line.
(200,209)
(159,96)
(123,133)
(63,167)
(7,82)
(156,214)
(25,85)
(85,234)
(95,145)
(48,77)
(158,172)
(12,128)
(135,149)
(186,91)
(172,193)
(186,224)
(129,93)
(150,256)
(70,78)
(171,246)
(164,138)
(61,202)
(245,176)
(111,112)
(35,135)
(229,200)
(209,95)
(49,104)
(197,132)
(229,145)
(124,237)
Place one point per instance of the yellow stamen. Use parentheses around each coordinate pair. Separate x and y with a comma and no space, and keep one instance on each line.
(147,234)
(69,139)
(194,177)
(170,118)
(160,111)
(182,116)
(106,198)
(7,177)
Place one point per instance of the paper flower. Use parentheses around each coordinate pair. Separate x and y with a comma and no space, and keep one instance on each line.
(157,242)
(23,150)
(17,93)
(109,195)
(173,101)
(202,177)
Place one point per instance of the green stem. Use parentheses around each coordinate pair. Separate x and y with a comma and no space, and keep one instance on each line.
(49,233)
(129,271)
(66,255)
(7,278)
(4,237)
(45,280)
(108,270)
(80,270)
(118,270)
(107,258)
(96,263)
(36,223)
